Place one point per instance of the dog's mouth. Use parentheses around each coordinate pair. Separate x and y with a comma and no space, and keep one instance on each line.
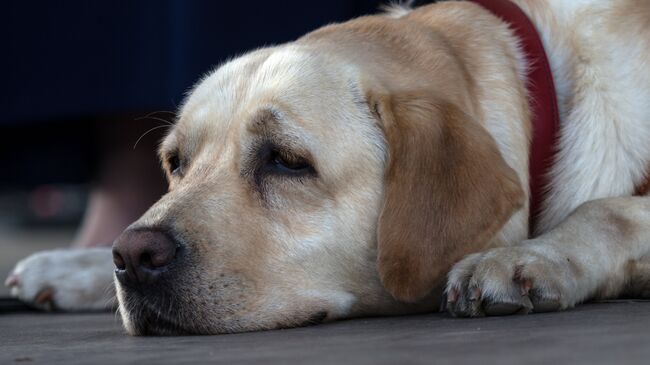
(148,319)
(150,324)
(314,319)
(175,305)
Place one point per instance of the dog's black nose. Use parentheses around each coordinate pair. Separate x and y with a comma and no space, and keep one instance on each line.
(141,255)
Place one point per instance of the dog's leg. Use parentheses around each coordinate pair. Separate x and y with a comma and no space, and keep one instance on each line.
(602,250)
(69,280)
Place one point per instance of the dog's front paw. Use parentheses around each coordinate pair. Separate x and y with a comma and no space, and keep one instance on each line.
(68,280)
(510,280)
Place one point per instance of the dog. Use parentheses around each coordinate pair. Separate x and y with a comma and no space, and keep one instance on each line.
(381,166)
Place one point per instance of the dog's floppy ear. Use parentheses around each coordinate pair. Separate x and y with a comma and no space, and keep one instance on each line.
(447,192)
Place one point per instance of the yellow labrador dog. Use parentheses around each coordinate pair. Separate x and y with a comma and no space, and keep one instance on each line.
(372,166)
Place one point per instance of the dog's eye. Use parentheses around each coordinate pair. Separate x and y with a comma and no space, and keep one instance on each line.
(287,163)
(174,164)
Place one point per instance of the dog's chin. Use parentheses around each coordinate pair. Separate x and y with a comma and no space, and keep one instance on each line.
(176,307)
(143,318)
(162,314)
(153,314)
(146,320)
(149,323)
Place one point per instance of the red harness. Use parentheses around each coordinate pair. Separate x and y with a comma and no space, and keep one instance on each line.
(542,99)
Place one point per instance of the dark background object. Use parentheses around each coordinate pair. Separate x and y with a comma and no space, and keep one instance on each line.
(85,58)
(74,70)
(74,61)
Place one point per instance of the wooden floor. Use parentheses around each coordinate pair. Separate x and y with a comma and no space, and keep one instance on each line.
(601,333)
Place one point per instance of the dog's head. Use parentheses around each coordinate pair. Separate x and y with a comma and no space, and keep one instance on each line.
(337,176)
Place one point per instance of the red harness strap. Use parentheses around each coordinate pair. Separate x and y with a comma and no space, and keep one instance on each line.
(542,99)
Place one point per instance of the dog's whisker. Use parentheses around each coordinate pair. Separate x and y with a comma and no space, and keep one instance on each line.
(149,131)
(109,295)
(116,313)
(158,119)
(152,114)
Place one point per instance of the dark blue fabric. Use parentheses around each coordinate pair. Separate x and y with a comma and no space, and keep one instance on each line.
(71,59)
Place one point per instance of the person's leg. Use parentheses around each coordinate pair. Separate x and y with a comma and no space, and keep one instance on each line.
(129,180)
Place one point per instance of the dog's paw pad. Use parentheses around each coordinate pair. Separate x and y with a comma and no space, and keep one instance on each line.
(524,306)
(543,306)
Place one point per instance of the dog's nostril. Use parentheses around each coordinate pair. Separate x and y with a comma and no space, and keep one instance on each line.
(118,261)
(145,260)
(157,256)
(141,255)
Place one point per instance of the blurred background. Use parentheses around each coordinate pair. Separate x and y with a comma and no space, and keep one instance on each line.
(84,80)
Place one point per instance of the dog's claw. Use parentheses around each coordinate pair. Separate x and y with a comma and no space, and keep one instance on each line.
(45,298)
(527,305)
(475,294)
(443,303)
(526,285)
(12,281)
(452,296)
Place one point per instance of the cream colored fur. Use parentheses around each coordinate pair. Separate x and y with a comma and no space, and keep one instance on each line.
(295,247)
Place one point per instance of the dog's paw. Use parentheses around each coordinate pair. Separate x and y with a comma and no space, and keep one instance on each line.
(67,280)
(509,280)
